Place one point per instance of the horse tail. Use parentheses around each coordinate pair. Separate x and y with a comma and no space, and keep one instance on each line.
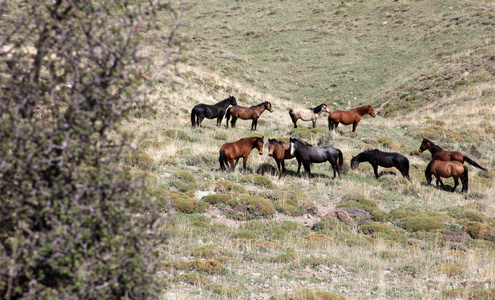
(193,118)
(227,117)
(465,179)
(473,163)
(341,159)
(428,173)
(221,159)
(406,169)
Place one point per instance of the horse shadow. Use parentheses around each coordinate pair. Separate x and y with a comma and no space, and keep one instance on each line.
(445,187)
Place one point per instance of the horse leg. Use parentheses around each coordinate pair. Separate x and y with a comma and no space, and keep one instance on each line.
(456,183)
(354,126)
(314,123)
(244,160)
(232,123)
(219,121)
(375,170)
(254,124)
(283,166)
(232,164)
(307,168)
(298,167)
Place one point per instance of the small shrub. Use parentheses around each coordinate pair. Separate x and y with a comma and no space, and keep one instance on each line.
(208,251)
(463,293)
(176,134)
(187,204)
(207,266)
(258,206)
(480,231)
(245,234)
(193,278)
(258,180)
(218,198)
(284,257)
(475,216)
(288,207)
(254,226)
(422,222)
(223,290)
(139,159)
(309,295)
(325,225)
(450,270)
(185,177)
(224,186)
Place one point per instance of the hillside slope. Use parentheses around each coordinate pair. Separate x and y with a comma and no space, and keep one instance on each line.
(426,67)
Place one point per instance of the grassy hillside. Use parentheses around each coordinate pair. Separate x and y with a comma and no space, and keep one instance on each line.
(426,67)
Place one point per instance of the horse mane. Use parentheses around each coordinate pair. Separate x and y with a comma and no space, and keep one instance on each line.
(434,147)
(318,108)
(227,99)
(362,108)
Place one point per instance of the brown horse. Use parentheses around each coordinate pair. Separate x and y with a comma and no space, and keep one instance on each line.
(280,151)
(232,152)
(447,169)
(440,154)
(349,117)
(246,113)
(307,114)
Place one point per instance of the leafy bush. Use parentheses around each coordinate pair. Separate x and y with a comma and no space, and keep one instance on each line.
(422,222)
(258,180)
(68,230)
(193,278)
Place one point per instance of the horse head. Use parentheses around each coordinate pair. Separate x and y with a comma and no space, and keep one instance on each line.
(425,145)
(325,108)
(354,162)
(268,106)
(371,111)
(259,144)
(232,100)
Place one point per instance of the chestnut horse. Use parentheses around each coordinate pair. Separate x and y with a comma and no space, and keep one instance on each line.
(440,154)
(307,114)
(232,152)
(246,113)
(202,111)
(447,169)
(349,117)
(280,151)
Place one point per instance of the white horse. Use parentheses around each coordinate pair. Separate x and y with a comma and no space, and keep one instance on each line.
(307,114)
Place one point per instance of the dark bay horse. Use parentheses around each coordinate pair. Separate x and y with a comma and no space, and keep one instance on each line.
(280,151)
(307,114)
(349,117)
(440,154)
(246,113)
(202,111)
(307,154)
(446,169)
(232,152)
(383,159)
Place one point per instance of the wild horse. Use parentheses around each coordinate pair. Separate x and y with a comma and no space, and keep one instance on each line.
(383,159)
(307,154)
(349,117)
(202,111)
(232,152)
(447,169)
(280,151)
(308,114)
(440,154)
(246,113)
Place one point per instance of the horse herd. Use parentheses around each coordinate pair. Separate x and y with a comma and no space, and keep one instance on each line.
(221,109)
(444,164)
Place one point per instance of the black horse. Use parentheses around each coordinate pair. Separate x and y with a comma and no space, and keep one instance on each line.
(383,159)
(307,154)
(201,111)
